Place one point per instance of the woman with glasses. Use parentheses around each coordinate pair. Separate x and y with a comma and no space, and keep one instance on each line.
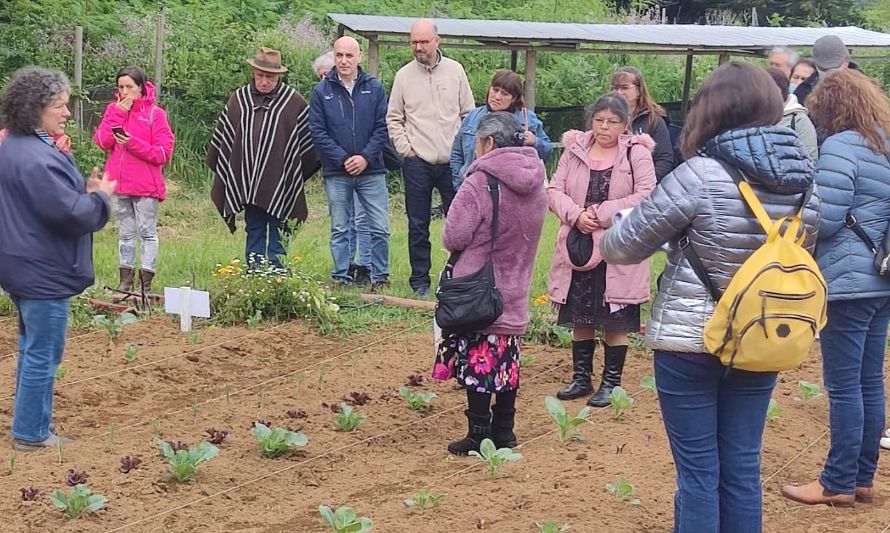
(601,172)
(646,117)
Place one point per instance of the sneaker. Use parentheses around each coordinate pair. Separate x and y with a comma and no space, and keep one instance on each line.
(342,283)
(380,285)
(422,292)
(885,443)
(361,275)
(51,442)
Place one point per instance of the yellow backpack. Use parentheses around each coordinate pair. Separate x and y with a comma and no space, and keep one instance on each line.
(775,304)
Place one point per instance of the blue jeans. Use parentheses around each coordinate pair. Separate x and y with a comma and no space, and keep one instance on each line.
(853,345)
(359,237)
(714,423)
(420,180)
(263,237)
(374,199)
(42,328)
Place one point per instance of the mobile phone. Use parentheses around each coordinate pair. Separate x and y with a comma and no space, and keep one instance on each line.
(118,130)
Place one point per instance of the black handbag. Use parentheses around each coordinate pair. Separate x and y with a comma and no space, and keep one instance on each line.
(882,252)
(470,303)
(579,246)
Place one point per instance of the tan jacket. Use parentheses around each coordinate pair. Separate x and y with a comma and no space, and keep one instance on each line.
(426,107)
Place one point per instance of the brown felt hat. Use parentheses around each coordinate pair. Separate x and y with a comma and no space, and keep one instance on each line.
(267,60)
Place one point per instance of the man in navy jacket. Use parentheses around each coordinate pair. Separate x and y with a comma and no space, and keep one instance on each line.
(347,120)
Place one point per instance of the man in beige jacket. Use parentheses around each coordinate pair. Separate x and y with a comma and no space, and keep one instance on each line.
(429,98)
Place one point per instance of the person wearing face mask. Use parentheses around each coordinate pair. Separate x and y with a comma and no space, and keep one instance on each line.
(504,94)
(261,154)
(135,133)
(796,116)
(646,116)
(800,72)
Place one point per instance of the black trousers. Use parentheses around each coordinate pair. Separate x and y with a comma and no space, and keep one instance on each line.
(420,180)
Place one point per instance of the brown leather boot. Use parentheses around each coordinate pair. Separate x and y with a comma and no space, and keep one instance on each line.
(125,284)
(865,495)
(814,493)
(145,278)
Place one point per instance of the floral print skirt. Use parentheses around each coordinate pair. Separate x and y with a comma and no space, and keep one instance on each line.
(480,362)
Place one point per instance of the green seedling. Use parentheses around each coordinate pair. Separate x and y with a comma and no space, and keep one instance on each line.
(131,354)
(12,460)
(194,411)
(423,500)
(262,398)
(620,401)
(526,360)
(354,364)
(226,392)
(345,520)
(194,337)
(301,377)
(623,491)
(61,372)
(114,326)
(551,526)
(648,383)
(81,500)
(321,374)
(276,441)
(493,457)
(184,463)
(418,401)
(808,391)
(60,448)
(566,423)
(348,419)
(254,320)
(773,412)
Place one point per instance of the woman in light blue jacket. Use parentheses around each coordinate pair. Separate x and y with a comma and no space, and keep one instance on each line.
(505,94)
(853,176)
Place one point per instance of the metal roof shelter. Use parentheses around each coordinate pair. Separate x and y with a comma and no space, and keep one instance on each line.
(653,39)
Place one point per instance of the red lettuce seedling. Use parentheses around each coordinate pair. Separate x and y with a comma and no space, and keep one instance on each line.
(74,478)
(216,436)
(129,463)
(297,414)
(415,380)
(179,445)
(358,398)
(259,421)
(31,494)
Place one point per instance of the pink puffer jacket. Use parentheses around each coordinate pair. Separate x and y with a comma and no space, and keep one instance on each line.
(567,191)
(138,165)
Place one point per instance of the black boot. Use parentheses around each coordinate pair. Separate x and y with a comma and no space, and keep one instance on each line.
(613,367)
(479,430)
(503,412)
(582,367)
(125,285)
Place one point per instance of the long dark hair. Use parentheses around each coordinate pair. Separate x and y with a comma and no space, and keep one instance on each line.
(136,74)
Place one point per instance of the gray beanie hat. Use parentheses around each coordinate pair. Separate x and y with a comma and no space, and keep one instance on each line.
(829,52)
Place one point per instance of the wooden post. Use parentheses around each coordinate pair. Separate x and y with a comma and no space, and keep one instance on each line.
(723,59)
(531,65)
(78,76)
(373,56)
(514,60)
(159,57)
(341,30)
(687,85)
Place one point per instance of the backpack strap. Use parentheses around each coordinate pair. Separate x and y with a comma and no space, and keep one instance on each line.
(631,165)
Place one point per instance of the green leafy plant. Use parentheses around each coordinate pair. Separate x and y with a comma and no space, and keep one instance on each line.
(424,500)
(345,520)
(566,423)
(526,360)
(418,401)
(773,412)
(623,491)
(61,372)
(275,442)
(551,526)
(348,419)
(114,326)
(808,391)
(131,354)
(79,501)
(494,457)
(648,383)
(184,463)
(620,401)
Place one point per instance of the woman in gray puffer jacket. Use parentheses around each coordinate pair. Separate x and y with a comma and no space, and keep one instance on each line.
(715,417)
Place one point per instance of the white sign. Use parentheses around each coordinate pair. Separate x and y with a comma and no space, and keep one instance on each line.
(186,303)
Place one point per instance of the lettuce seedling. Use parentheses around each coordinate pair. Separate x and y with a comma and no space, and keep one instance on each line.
(358,398)
(297,414)
(81,499)
(415,380)
(129,463)
(347,419)
(75,478)
(551,526)
(620,402)
(623,491)
(184,463)
(648,383)
(418,401)
(216,436)
(345,520)
(773,412)
(423,500)
(276,441)
(31,494)
(494,457)
(566,423)
(808,391)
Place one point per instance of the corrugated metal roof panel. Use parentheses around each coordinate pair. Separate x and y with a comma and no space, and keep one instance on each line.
(657,35)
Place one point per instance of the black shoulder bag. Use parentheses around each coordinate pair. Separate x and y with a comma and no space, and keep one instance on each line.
(882,252)
(470,303)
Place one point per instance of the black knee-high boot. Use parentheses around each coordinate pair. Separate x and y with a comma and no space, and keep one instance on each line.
(582,370)
(612,369)
(503,413)
(478,422)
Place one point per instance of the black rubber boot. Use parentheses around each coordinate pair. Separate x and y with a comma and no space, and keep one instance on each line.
(503,413)
(613,367)
(582,367)
(479,429)
(126,284)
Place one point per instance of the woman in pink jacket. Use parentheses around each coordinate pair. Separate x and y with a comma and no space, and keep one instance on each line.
(601,172)
(135,133)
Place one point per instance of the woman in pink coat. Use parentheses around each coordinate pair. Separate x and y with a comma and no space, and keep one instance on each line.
(135,133)
(601,172)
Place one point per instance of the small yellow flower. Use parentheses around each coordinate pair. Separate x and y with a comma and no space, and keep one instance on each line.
(542,300)
(297,258)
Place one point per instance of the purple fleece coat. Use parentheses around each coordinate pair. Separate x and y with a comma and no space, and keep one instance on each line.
(523,206)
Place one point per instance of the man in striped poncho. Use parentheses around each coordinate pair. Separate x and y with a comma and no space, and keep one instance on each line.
(261,153)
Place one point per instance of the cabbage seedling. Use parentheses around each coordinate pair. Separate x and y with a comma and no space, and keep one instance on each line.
(566,423)
(114,326)
(61,372)
(620,402)
(648,383)
(131,354)
(347,419)
(276,441)
(526,360)
(773,412)
(551,526)
(81,499)
(418,401)
(184,463)
(494,457)
(345,520)
(423,500)
(808,391)
(623,491)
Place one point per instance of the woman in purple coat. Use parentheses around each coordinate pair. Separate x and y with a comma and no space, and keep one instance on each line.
(486,363)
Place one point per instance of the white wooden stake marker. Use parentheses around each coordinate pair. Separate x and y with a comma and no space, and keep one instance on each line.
(186,303)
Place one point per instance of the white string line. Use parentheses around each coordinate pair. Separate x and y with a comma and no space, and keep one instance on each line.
(72,339)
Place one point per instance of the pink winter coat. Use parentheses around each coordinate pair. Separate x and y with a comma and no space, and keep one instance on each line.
(138,165)
(567,192)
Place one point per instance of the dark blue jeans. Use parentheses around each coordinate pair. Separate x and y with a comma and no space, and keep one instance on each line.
(42,328)
(714,423)
(420,180)
(263,238)
(853,345)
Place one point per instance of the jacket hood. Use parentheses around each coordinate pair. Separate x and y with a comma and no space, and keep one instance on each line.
(793,106)
(584,139)
(518,168)
(360,76)
(771,156)
(146,100)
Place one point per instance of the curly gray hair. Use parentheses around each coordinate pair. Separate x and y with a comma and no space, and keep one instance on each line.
(323,62)
(27,95)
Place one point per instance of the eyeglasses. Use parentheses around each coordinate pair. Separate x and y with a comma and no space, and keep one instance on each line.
(419,43)
(626,87)
(599,122)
